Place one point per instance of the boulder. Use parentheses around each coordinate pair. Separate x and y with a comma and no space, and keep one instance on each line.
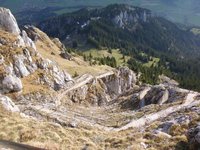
(31,32)
(8,104)
(167,81)
(141,96)
(44,63)
(156,95)
(8,21)
(27,41)
(143,92)
(11,84)
(164,98)
(20,67)
(60,77)
(165,127)
(53,76)
(162,134)
(65,55)
(58,43)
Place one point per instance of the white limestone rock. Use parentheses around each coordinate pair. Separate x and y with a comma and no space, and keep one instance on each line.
(19,42)
(8,21)
(164,98)
(11,84)
(8,104)
(28,42)
(9,69)
(167,81)
(44,63)
(125,18)
(102,89)
(19,66)
(53,76)
(60,77)
(123,80)
(143,93)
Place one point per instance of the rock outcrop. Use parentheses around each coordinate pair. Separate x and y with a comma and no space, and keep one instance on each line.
(8,104)
(122,81)
(103,88)
(8,21)
(27,60)
(130,17)
(53,76)
(194,138)
(160,94)
(11,84)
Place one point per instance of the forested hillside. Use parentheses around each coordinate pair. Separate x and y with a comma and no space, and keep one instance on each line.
(137,33)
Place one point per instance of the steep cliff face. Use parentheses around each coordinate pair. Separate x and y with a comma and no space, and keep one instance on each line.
(8,21)
(104,88)
(125,16)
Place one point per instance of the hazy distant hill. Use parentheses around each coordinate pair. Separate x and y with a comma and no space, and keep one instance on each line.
(184,11)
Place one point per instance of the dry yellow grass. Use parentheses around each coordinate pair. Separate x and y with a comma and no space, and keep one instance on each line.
(46,47)
(7,49)
(31,83)
(9,36)
(52,136)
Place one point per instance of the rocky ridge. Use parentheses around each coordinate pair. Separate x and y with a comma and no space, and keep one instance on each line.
(38,89)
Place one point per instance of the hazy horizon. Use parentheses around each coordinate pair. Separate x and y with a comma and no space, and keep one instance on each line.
(181,11)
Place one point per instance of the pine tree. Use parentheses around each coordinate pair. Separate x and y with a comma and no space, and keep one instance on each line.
(84,57)
(110,50)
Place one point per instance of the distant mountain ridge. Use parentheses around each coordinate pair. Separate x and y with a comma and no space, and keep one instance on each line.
(181,11)
(128,24)
(134,31)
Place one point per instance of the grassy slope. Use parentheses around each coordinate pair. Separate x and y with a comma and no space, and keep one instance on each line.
(104,53)
(54,137)
(77,65)
(154,62)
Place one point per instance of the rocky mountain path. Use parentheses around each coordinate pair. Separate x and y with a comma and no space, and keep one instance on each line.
(103,117)
(190,101)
